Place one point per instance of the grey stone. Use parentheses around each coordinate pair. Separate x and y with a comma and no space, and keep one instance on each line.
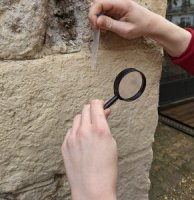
(22,30)
(32,29)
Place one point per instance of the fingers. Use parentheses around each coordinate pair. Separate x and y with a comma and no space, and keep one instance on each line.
(92,115)
(94,11)
(119,27)
(98,7)
(107,113)
(63,147)
(105,22)
(114,17)
(76,124)
(66,137)
(98,117)
(85,117)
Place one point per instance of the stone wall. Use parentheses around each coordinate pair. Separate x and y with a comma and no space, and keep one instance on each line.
(46,78)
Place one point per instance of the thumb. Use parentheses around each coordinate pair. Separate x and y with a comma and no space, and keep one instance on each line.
(107,113)
(119,27)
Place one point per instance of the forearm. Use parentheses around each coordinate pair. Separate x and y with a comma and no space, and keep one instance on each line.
(171,37)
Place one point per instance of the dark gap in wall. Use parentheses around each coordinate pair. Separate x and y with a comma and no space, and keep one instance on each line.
(65,27)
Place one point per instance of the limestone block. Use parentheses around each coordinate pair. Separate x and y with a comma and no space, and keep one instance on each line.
(40,97)
(48,190)
(22,28)
(32,29)
(55,188)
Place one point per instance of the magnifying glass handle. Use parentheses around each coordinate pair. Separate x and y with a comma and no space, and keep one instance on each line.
(110,102)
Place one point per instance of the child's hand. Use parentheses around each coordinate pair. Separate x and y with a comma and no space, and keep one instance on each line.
(90,155)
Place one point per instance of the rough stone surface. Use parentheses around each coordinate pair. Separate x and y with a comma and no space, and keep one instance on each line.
(38,99)
(32,29)
(22,28)
(67,26)
(56,188)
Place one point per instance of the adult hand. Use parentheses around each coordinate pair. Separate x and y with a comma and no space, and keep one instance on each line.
(90,155)
(130,20)
(126,18)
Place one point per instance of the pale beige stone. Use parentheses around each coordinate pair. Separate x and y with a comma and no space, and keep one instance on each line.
(38,99)
(49,190)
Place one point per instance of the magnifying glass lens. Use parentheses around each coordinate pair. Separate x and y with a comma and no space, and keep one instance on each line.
(130,85)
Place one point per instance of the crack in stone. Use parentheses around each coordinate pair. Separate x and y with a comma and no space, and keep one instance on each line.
(34,186)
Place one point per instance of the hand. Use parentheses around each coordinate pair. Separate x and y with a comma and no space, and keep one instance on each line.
(125,18)
(130,20)
(90,155)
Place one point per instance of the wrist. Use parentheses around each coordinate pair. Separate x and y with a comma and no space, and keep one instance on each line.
(171,37)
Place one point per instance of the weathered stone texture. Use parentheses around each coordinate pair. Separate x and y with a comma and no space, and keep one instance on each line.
(22,28)
(67,26)
(38,99)
(32,29)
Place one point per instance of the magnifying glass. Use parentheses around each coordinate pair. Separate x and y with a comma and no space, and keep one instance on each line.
(129,85)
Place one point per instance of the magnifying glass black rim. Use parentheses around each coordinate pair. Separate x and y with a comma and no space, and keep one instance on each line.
(120,77)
